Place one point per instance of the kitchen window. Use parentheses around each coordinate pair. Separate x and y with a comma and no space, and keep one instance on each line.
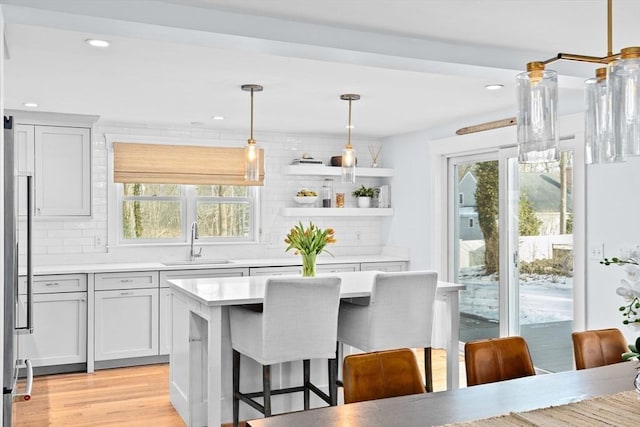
(162,213)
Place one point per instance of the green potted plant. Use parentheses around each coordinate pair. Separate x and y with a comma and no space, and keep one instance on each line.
(364,195)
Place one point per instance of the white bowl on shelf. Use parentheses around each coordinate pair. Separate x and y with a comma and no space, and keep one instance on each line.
(305,200)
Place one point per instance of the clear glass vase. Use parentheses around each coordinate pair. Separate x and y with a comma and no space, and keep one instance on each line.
(308,264)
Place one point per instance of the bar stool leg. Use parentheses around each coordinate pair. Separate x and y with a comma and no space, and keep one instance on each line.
(266,386)
(427,369)
(333,381)
(306,372)
(236,388)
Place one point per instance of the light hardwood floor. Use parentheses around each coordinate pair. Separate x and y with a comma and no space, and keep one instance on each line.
(136,396)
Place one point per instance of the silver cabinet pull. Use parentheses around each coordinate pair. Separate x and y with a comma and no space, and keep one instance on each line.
(126,280)
(126,293)
(52,284)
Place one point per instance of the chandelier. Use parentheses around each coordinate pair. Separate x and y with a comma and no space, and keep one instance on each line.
(612,119)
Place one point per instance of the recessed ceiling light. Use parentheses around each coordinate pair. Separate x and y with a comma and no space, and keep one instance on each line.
(30,104)
(98,42)
(496,86)
(218,118)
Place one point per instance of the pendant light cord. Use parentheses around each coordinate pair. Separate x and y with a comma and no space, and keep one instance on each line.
(251,137)
(349,125)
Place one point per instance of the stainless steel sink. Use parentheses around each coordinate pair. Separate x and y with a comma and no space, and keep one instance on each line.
(198,262)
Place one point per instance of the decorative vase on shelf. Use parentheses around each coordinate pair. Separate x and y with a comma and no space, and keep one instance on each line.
(364,202)
(308,264)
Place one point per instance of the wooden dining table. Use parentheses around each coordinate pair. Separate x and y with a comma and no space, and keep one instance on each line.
(199,363)
(471,403)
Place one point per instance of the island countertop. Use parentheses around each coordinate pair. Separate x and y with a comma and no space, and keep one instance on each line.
(221,291)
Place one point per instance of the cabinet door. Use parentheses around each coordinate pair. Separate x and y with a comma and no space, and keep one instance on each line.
(165,296)
(59,329)
(62,171)
(126,324)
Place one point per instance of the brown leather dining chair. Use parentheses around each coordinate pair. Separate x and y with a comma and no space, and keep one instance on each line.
(598,347)
(381,374)
(497,359)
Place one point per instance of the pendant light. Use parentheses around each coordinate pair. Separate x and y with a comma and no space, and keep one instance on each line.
(251,152)
(612,120)
(348,153)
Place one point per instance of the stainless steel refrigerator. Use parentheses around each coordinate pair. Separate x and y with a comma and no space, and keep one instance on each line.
(16,187)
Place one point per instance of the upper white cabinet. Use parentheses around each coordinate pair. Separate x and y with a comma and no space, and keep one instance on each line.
(59,158)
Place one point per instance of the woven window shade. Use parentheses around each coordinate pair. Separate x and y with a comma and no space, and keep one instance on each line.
(180,164)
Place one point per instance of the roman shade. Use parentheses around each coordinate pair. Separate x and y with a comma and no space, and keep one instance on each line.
(181,164)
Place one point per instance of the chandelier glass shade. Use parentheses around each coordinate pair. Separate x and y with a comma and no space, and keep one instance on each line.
(537,115)
(612,117)
(599,147)
(625,101)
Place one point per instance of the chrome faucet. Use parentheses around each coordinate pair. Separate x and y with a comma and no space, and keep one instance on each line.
(194,235)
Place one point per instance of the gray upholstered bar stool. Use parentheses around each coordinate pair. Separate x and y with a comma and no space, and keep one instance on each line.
(298,321)
(398,314)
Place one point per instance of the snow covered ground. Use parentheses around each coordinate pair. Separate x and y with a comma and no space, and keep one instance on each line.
(543,298)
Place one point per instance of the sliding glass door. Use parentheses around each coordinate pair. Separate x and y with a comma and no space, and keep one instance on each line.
(511,244)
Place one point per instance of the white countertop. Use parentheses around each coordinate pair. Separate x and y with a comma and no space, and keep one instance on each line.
(239,263)
(219,291)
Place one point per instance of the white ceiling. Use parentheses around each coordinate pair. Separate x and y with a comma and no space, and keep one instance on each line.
(418,64)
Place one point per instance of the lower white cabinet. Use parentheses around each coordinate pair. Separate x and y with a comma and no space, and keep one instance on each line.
(126,323)
(59,329)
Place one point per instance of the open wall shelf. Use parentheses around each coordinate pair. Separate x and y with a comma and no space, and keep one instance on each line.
(336,212)
(322,170)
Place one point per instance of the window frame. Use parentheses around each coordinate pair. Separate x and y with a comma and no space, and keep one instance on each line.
(188,212)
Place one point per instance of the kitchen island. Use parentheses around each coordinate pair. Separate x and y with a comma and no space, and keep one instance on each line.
(200,358)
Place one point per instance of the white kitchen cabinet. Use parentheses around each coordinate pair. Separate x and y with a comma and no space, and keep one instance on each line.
(126,323)
(59,158)
(165,296)
(384,266)
(59,320)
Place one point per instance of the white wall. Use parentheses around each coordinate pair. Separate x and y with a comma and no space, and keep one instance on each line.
(74,241)
(413,199)
(613,220)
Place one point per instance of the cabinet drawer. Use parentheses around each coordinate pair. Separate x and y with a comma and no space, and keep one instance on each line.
(127,280)
(54,284)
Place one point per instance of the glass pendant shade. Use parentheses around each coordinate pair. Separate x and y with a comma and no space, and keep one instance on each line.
(599,147)
(537,115)
(348,164)
(348,153)
(252,161)
(251,151)
(625,100)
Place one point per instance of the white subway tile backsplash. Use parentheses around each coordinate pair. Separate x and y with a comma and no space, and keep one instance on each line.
(74,240)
